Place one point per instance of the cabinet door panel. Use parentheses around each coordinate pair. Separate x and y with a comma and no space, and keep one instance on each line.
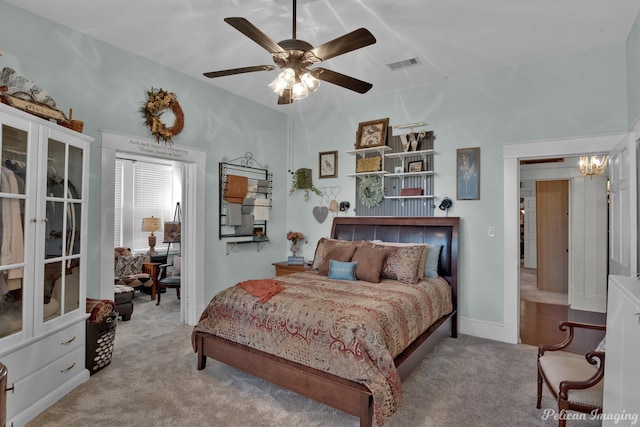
(13,179)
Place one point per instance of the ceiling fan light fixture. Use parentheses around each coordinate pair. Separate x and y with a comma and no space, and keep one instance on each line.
(299,91)
(293,56)
(310,82)
(285,80)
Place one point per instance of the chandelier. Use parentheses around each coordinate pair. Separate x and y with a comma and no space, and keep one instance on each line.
(593,166)
(301,85)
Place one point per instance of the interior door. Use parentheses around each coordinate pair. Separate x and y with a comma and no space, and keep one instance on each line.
(588,255)
(552,227)
(530,244)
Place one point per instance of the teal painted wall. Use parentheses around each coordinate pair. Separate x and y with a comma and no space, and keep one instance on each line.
(586,93)
(633,72)
(575,95)
(105,86)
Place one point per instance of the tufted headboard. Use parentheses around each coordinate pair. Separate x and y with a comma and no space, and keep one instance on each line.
(434,230)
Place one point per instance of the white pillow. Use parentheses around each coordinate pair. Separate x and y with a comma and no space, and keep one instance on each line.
(176,266)
(431,262)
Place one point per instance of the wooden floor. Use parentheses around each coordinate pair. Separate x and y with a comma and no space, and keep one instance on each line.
(538,325)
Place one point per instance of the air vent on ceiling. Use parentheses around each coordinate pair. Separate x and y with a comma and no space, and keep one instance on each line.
(403,63)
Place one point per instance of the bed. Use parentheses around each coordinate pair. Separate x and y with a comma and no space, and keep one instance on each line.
(348,395)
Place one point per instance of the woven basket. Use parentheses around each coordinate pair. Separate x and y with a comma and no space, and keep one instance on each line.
(76,125)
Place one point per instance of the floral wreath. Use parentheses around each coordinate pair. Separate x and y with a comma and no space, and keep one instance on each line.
(157,103)
(370,191)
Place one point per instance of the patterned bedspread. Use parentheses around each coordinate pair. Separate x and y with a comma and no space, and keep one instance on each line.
(349,329)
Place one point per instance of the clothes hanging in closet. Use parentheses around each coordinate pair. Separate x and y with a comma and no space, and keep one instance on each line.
(12,243)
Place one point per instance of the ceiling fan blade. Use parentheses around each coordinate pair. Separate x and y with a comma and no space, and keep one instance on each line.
(351,41)
(285,98)
(341,80)
(232,71)
(251,31)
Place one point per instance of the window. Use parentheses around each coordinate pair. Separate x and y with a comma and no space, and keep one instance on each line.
(142,189)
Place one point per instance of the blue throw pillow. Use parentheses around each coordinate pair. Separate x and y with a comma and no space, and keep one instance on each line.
(342,270)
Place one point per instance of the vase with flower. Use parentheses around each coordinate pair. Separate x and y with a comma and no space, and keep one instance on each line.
(294,237)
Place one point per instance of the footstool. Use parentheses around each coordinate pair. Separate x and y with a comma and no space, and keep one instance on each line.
(123,297)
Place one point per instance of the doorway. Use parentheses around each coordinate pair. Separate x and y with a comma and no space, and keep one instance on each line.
(193,195)
(512,154)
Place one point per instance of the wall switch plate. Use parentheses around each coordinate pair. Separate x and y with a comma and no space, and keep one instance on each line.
(492,231)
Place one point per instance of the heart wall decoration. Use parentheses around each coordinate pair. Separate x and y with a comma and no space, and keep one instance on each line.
(320,213)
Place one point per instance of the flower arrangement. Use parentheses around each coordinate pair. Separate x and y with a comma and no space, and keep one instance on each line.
(294,236)
(158,101)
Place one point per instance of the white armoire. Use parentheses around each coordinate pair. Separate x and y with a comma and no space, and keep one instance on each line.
(43,209)
(621,400)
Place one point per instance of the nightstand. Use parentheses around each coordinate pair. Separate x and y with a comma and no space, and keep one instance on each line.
(282,268)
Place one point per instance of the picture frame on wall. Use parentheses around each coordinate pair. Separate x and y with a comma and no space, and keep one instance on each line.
(415,166)
(328,164)
(372,133)
(468,173)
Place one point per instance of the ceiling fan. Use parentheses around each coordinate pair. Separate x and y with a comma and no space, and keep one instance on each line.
(296,57)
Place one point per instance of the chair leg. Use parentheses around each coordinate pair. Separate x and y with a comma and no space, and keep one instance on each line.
(539,389)
(562,421)
(158,293)
(178,291)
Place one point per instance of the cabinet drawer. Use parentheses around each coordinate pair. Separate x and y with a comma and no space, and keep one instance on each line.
(29,390)
(42,352)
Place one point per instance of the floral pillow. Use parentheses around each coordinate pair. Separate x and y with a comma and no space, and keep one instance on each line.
(325,245)
(404,263)
(129,265)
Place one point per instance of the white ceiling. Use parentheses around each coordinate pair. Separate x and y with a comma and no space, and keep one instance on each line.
(451,38)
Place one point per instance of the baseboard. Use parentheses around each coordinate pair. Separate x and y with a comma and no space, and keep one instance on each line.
(481,328)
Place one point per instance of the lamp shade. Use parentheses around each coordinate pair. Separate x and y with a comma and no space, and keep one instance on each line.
(151,224)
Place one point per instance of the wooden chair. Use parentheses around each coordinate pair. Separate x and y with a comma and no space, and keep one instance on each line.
(166,281)
(576,381)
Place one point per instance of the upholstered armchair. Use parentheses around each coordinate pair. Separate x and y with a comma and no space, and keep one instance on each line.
(574,380)
(135,271)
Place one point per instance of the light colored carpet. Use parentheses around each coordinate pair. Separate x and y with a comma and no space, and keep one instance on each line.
(529,289)
(153,381)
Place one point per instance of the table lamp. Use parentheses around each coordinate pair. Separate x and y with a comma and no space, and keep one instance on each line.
(151,224)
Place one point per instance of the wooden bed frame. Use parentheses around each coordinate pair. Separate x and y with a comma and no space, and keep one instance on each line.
(340,393)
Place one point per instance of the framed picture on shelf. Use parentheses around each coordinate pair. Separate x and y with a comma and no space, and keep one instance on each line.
(372,133)
(415,166)
(258,234)
(468,173)
(328,164)
(398,169)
